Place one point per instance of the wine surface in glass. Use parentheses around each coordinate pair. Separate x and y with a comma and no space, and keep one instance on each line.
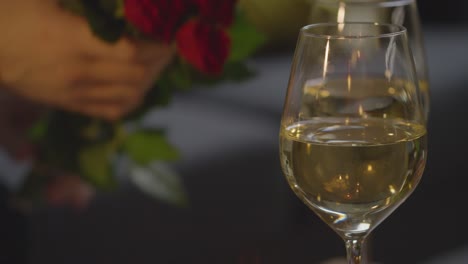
(353,172)
(372,97)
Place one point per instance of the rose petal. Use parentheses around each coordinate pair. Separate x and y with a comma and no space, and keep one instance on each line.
(204,46)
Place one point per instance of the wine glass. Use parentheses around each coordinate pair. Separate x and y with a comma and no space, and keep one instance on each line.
(353,134)
(400,12)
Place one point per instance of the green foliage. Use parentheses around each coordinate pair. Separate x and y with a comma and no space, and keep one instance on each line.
(95,159)
(104,25)
(179,76)
(109,7)
(119,11)
(38,130)
(78,144)
(95,164)
(245,39)
(146,146)
(237,71)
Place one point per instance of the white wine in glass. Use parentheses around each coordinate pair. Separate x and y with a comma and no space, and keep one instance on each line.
(353,133)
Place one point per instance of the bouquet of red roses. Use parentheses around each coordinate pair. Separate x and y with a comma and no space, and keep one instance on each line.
(212,41)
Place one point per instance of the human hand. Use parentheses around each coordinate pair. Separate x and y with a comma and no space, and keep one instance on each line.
(51,57)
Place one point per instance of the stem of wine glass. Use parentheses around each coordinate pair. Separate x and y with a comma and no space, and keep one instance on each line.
(366,250)
(354,250)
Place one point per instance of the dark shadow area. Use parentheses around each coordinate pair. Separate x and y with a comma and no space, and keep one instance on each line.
(437,12)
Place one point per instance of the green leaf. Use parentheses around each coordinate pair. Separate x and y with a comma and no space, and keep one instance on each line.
(246,39)
(159,181)
(39,130)
(95,165)
(120,9)
(237,71)
(104,25)
(180,75)
(144,147)
(97,131)
(160,94)
(109,6)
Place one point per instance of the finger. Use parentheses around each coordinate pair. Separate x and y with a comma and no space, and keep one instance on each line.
(132,105)
(158,65)
(123,50)
(105,92)
(156,68)
(150,52)
(140,76)
(107,107)
(110,72)
(109,110)
(95,47)
(127,50)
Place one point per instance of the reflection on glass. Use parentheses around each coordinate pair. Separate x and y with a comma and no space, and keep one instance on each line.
(400,12)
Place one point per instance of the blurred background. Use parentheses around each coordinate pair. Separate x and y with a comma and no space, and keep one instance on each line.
(240,207)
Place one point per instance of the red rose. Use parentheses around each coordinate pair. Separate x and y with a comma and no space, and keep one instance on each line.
(158,19)
(217,11)
(203,45)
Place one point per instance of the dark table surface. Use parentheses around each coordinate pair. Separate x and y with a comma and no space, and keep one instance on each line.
(241,209)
